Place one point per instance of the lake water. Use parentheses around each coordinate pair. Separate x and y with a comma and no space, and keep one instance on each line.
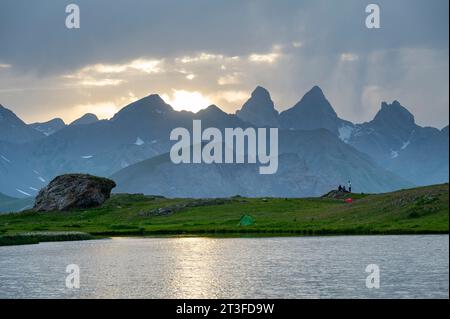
(285,267)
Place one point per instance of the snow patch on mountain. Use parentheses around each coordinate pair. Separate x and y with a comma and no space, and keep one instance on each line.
(345,133)
(394,154)
(87,156)
(22,192)
(5,159)
(39,177)
(139,141)
(43,131)
(405,144)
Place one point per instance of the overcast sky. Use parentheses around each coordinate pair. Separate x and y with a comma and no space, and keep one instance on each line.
(198,52)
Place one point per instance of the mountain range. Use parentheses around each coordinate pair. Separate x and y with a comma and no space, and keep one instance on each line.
(392,139)
(318,150)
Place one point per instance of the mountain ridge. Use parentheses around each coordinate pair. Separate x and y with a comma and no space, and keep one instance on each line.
(140,130)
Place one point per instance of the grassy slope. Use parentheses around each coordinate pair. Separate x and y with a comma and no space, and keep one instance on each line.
(419,210)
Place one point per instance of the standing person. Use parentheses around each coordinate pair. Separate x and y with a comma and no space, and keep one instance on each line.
(340,188)
(349,187)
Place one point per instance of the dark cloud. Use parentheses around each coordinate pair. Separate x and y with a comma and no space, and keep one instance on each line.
(407,59)
(33,34)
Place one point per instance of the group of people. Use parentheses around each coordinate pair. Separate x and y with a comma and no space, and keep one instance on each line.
(345,190)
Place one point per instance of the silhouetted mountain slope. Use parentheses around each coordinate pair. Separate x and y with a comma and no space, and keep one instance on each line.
(310,163)
(87,118)
(424,160)
(14,130)
(10,204)
(259,109)
(313,111)
(18,177)
(139,131)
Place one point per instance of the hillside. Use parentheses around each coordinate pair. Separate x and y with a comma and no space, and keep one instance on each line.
(418,210)
(14,130)
(310,163)
(11,204)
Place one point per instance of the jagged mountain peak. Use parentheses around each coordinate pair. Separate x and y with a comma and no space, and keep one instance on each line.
(394,114)
(315,101)
(259,109)
(261,92)
(313,111)
(259,99)
(316,90)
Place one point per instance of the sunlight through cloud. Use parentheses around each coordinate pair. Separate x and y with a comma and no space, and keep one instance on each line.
(186,100)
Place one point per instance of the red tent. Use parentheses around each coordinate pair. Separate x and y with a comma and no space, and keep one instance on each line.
(349,200)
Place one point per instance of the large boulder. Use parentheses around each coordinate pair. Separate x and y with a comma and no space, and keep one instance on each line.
(74,191)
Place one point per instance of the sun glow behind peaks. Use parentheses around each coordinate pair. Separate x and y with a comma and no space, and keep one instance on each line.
(193,101)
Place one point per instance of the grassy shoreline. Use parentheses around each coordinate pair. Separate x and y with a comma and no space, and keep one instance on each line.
(21,239)
(38,237)
(422,210)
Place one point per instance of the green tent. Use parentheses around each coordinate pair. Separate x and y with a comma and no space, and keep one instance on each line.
(246,220)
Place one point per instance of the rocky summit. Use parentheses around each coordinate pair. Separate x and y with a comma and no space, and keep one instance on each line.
(71,191)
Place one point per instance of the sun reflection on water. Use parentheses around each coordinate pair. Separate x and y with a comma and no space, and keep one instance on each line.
(195,273)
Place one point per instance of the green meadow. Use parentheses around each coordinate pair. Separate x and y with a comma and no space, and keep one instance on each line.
(421,210)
